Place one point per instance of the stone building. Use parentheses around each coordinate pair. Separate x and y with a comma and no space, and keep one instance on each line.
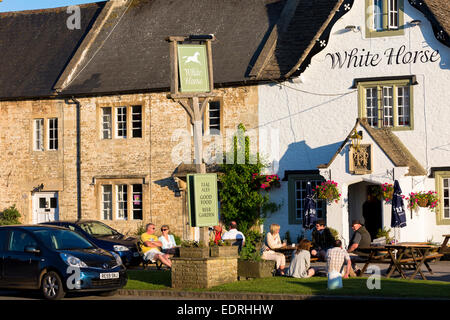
(86,128)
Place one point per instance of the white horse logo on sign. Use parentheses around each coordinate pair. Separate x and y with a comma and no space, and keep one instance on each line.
(193,58)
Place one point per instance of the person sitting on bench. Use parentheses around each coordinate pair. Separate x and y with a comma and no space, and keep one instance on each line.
(150,245)
(234,234)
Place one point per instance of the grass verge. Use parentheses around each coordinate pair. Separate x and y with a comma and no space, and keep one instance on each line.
(160,280)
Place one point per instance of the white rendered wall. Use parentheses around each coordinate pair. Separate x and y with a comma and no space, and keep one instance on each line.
(315,113)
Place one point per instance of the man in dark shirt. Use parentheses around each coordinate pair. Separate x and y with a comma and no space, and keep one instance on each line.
(361,239)
(322,240)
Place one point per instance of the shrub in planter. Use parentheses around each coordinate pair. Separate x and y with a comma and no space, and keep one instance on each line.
(193,249)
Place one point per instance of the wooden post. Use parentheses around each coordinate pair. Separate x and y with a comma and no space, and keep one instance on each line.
(194,109)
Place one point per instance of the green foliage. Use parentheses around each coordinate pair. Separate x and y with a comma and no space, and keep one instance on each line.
(140,230)
(334,233)
(192,244)
(253,243)
(177,239)
(221,243)
(10,216)
(384,233)
(240,200)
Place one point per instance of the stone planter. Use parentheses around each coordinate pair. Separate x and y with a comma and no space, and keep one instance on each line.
(255,269)
(225,251)
(194,252)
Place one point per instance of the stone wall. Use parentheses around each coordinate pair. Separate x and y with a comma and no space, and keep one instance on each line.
(203,273)
(147,160)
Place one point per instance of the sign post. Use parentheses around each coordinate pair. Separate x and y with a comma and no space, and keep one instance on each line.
(192,80)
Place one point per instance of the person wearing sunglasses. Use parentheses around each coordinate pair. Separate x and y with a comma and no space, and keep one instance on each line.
(167,240)
(150,245)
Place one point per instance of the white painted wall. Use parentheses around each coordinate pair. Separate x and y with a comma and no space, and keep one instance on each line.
(315,113)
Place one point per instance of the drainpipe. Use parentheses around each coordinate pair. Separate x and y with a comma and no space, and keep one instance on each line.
(78,107)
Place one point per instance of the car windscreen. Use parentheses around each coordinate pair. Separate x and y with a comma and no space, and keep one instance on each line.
(62,239)
(98,229)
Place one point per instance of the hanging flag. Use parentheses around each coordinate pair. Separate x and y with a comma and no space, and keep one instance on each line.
(398,219)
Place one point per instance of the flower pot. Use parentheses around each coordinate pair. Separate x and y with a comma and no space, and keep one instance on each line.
(422,203)
(194,252)
(255,269)
(227,251)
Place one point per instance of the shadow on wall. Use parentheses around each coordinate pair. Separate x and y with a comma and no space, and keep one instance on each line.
(300,156)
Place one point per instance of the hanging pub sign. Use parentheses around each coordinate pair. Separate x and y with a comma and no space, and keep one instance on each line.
(202,198)
(193,68)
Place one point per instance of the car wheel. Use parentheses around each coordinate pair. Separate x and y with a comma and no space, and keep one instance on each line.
(108,293)
(52,286)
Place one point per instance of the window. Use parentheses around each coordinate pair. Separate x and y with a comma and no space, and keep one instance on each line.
(393,14)
(53,134)
(384,18)
(211,118)
(39,134)
(121,123)
(442,180)
(106,123)
(386,104)
(297,196)
(136,121)
(137,202)
(121,198)
(107,202)
(19,240)
(122,202)
(214,117)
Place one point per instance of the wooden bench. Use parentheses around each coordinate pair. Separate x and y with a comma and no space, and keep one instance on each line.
(146,263)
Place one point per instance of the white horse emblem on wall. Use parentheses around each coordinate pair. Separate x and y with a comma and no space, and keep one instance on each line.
(193,58)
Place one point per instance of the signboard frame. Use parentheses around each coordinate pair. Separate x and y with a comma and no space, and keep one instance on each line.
(202,196)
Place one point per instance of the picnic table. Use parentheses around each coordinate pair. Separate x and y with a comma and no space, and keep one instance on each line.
(401,257)
(289,250)
(444,247)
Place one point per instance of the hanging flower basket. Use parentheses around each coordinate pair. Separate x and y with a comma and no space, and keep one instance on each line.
(328,191)
(385,192)
(423,199)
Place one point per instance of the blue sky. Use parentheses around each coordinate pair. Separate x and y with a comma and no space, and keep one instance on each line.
(18,5)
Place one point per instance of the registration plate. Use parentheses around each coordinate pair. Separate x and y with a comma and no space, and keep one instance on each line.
(111,275)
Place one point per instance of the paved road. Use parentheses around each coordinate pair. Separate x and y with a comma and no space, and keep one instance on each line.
(22,295)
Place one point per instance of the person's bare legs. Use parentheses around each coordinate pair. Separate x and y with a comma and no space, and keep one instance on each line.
(311,272)
(164,258)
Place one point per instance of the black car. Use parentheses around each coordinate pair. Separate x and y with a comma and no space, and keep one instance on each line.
(105,237)
(56,260)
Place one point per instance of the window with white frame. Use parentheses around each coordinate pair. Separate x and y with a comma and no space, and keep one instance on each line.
(393,14)
(214,117)
(106,123)
(378,15)
(136,121)
(446,198)
(384,18)
(137,201)
(122,202)
(297,196)
(386,104)
(39,134)
(107,202)
(121,122)
(53,134)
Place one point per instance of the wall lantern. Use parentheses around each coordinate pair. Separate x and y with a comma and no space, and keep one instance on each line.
(352,28)
(356,138)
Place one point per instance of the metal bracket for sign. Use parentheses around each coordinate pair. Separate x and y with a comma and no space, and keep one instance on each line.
(391,174)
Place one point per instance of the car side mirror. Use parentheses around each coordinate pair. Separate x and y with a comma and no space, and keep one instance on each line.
(32,249)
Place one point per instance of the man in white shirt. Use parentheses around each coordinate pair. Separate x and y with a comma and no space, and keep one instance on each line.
(234,234)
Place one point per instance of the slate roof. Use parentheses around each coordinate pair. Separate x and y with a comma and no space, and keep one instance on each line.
(35,46)
(441,12)
(292,42)
(392,146)
(135,56)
